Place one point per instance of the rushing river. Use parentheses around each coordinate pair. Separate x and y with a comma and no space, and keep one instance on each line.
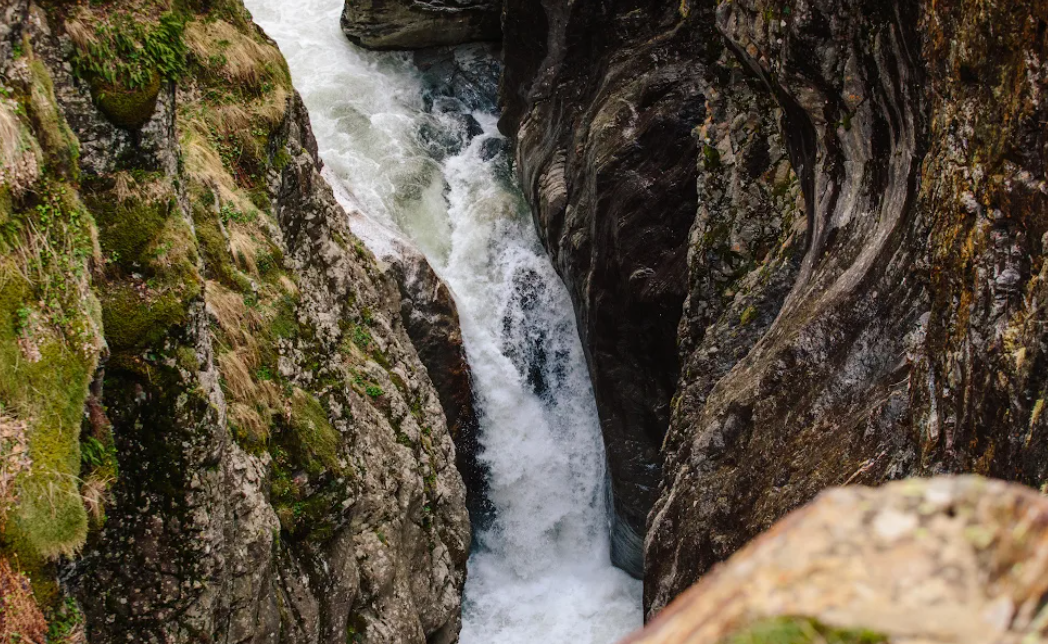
(431,167)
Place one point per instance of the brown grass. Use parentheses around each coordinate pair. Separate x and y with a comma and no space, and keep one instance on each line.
(21,621)
(95,492)
(83,37)
(14,460)
(235,56)
(244,250)
(235,319)
(19,167)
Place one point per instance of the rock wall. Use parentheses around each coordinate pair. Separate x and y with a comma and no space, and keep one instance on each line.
(263,456)
(804,240)
(602,101)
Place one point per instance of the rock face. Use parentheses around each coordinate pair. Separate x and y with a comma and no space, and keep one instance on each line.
(414,24)
(910,329)
(815,227)
(431,320)
(263,455)
(958,560)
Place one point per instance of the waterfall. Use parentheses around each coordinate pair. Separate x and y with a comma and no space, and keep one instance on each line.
(431,167)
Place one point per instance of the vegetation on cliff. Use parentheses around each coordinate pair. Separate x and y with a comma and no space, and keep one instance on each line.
(160,205)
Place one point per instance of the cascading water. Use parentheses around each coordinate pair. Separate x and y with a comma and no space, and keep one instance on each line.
(432,168)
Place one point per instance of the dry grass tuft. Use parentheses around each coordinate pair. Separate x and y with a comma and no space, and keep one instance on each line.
(19,167)
(21,620)
(83,37)
(14,460)
(244,250)
(205,168)
(236,56)
(127,188)
(234,317)
(95,492)
(289,286)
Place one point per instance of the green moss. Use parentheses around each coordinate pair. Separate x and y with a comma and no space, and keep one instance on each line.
(217,258)
(710,157)
(56,139)
(313,440)
(128,108)
(801,630)
(48,393)
(131,54)
(748,315)
(135,318)
(127,229)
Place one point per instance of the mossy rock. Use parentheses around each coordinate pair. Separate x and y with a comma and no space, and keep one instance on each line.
(313,439)
(801,630)
(134,320)
(127,108)
(56,139)
(126,230)
(48,393)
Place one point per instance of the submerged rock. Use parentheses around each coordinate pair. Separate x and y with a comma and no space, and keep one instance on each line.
(951,560)
(414,24)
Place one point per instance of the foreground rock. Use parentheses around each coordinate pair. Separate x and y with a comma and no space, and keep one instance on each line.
(414,24)
(949,560)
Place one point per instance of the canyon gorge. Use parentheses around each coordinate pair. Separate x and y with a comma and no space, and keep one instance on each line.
(405,321)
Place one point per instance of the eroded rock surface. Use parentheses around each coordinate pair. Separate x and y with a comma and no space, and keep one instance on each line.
(844,288)
(888,334)
(952,560)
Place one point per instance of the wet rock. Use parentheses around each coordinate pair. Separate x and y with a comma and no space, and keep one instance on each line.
(832,348)
(413,24)
(957,560)
(431,320)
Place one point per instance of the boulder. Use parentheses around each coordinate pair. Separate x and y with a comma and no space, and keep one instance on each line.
(959,560)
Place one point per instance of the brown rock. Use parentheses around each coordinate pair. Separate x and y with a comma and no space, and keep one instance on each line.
(949,560)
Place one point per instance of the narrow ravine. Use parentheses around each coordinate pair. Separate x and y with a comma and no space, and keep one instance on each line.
(415,165)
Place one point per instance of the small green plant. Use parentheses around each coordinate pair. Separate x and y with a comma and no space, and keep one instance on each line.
(228,213)
(374,391)
(710,157)
(126,53)
(22,319)
(63,622)
(361,337)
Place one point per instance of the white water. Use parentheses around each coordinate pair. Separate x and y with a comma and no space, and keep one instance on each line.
(542,571)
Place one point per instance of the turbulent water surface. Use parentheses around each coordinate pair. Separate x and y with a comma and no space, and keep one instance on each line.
(430,166)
